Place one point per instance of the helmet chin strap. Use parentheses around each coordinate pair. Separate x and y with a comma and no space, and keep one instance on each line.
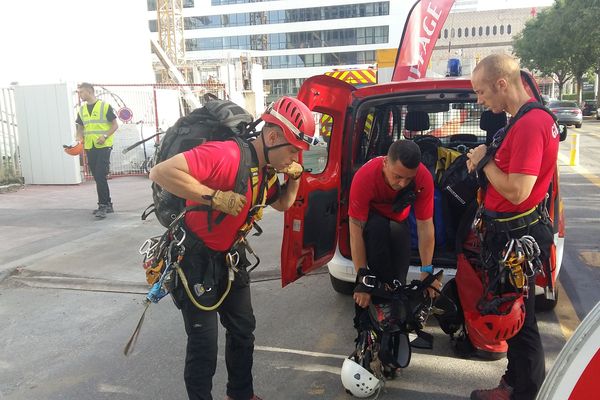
(266,148)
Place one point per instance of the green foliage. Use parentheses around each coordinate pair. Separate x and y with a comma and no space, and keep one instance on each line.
(562,41)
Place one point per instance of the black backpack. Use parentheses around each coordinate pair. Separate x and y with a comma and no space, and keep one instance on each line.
(217,120)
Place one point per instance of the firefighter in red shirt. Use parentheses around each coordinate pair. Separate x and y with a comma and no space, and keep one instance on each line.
(206,175)
(518,171)
(382,193)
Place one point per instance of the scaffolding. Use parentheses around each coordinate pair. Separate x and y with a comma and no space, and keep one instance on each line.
(171,37)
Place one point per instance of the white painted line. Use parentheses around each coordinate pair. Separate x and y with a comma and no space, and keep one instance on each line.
(300,352)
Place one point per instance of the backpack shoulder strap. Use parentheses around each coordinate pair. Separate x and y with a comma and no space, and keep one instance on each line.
(501,135)
(243,173)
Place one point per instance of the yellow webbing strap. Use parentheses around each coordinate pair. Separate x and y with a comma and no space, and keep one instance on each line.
(191,296)
(516,216)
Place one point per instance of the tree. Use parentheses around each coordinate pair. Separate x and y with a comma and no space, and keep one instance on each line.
(561,43)
(538,45)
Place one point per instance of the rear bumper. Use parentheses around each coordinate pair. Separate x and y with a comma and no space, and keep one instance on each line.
(342,268)
(568,120)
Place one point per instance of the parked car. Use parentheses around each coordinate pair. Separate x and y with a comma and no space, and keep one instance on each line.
(589,107)
(567,112)
(365,121)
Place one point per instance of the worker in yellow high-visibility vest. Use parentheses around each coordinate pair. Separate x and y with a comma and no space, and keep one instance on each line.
(96,124)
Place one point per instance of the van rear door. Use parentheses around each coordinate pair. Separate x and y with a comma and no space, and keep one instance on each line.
(311,224)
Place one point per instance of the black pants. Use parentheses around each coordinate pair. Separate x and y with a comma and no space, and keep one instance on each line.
(388,248)
(388,252)
(526,363)
(236,315)
(99,163)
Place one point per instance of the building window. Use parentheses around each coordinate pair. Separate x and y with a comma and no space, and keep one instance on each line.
(502,29)
(466,32)
(487,31)
(320,59)
(445,33)
(473,31)
(293,40)
(288,16)
(452,33)
(480,31)
(494,30)
(459,32)
(226,2)
(508,29)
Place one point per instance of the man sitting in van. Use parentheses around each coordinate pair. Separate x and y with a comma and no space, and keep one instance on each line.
(381,196)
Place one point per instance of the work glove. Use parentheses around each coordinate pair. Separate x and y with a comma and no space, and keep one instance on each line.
(228,202)
(294,170)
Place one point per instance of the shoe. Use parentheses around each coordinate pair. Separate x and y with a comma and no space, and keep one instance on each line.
(502,392)
(101,212)
(255,397)
(108,209)
(390,373)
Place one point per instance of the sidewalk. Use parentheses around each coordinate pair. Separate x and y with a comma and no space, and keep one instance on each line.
(50,231)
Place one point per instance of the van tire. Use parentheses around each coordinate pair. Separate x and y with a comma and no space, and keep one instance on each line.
(543,304)
(342,287)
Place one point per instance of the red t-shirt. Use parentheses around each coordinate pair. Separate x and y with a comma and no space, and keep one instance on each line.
(530,148)
(369,191)
(215,164)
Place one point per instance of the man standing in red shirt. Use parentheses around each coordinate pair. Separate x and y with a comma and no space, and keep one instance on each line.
(382,193)
(518,173)
(206,175)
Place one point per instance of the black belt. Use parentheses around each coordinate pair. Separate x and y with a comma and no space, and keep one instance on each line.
(506,222)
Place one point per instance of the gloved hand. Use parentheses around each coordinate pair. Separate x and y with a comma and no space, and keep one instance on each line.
(294,170)
(228,202)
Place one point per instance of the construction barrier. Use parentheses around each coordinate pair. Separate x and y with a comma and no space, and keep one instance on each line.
(143,110)
(10,163)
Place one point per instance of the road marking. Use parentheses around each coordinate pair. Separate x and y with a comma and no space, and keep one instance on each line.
(581,170)
(567,317)
(565,312)
(300,352)
(591,258)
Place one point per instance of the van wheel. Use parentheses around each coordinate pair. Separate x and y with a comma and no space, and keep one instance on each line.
(543,304)
(342,287)
(578,125)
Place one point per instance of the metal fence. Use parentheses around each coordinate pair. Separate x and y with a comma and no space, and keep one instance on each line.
(10,166)
(144,110)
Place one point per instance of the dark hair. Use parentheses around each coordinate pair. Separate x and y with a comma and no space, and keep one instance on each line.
(86,85)
(405,151)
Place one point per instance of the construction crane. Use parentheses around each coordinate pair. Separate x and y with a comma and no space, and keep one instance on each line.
(170,47)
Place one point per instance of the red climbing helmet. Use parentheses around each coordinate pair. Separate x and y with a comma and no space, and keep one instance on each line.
(295,119)
(503,324)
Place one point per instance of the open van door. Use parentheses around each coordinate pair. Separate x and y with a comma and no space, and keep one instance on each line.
(311,224)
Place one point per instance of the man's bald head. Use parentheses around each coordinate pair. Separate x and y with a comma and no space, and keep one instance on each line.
(499,66)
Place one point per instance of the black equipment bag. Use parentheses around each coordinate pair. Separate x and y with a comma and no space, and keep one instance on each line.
(217,120)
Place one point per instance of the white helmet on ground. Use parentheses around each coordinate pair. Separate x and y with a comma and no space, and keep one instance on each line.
(358,381)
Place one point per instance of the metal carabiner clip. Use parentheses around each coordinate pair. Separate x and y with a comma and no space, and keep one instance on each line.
(233,260)
(148,246)
(369,277)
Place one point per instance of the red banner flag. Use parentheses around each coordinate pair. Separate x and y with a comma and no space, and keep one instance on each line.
(423,25)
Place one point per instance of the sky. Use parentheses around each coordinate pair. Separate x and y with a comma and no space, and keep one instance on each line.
(44,41)
(497,4)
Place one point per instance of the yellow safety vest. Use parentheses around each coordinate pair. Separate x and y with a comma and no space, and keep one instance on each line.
(95,125)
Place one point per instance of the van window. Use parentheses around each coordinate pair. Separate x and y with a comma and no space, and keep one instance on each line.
(315,158)
(456,124)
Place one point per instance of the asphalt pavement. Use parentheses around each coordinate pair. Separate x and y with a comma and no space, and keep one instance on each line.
(71,291)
